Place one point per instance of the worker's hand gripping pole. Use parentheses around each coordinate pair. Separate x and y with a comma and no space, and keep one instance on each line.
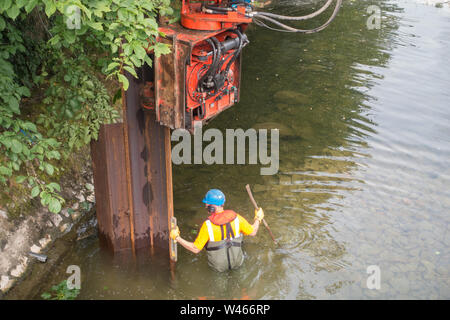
(173,243)
(256,207)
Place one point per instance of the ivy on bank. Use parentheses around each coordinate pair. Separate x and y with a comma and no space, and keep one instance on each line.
(54,59)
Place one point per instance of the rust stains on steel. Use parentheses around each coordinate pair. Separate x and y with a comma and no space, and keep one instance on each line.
(149,180)
(169,187)
(136,182)
(149,175)
(112,206)
(170,84)
(128,171)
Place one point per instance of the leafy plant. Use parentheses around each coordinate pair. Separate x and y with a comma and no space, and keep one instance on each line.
(57,60)
(61,292)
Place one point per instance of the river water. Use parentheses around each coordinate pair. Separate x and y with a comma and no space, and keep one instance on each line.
(364,173)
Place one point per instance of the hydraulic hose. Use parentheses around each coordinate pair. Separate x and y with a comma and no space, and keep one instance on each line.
(219,54)
(217,8)
(287,28)
(237,52)
(214,43)
(299,18)
(214,59)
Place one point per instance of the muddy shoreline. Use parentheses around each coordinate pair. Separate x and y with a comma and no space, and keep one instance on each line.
(38,275)
(39,231)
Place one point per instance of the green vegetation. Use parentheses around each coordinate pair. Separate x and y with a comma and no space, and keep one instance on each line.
(60,64)
(61,292)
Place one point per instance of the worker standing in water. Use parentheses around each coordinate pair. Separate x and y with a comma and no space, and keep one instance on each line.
(222,233)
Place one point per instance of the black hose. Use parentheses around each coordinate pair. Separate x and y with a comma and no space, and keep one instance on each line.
(216,8)
(214,55)
(237,52)
(189,80)
(215,45)
(219,55)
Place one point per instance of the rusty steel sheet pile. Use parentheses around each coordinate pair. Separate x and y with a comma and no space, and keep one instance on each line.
(133,177)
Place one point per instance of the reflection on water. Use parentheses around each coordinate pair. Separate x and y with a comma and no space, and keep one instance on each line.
(364,169)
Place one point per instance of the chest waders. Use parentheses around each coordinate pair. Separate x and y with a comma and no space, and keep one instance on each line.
(225,254)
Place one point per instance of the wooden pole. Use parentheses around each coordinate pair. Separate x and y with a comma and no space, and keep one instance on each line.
(256,207)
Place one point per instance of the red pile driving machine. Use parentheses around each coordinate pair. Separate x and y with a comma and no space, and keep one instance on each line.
(200,77)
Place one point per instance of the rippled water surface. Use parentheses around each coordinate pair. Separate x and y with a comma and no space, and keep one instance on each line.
(364,119)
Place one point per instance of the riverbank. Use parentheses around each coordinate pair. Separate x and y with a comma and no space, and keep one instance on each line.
(36,231)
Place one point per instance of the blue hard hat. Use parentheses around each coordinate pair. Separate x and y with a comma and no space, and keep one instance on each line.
(214,196)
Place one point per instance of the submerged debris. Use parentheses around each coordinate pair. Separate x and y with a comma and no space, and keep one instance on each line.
(39,257)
